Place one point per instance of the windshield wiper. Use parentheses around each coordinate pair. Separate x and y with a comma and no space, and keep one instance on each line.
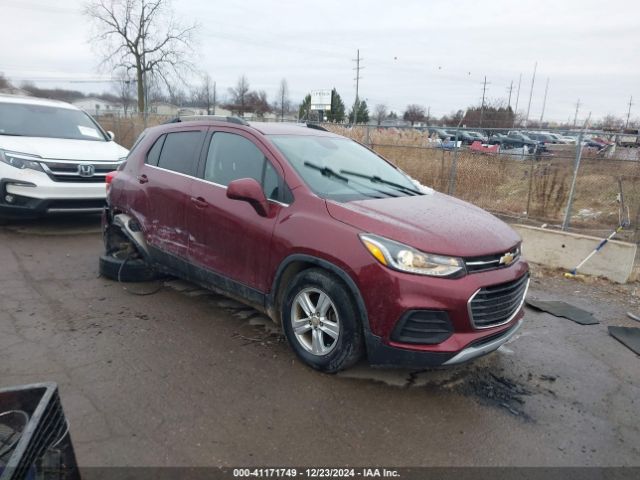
(331,173)
(327,172)
(12,134)
(377,179)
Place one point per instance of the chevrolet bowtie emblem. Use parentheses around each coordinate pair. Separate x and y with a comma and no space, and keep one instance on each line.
(507,258)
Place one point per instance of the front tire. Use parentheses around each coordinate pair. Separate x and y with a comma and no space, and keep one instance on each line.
(321,321)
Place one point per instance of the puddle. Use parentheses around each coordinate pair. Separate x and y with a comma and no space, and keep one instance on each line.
(483,381)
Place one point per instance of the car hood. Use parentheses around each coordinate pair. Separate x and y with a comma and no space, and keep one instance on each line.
(434,223)
(63,148)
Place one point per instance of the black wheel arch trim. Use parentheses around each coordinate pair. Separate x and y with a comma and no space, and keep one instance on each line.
(327,265)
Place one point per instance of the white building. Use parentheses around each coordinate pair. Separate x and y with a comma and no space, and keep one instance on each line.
(97,106)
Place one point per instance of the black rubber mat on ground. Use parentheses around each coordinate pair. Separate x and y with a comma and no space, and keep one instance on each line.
(563,309)
(628,336)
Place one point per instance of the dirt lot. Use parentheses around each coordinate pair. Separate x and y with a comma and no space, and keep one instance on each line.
(184,377)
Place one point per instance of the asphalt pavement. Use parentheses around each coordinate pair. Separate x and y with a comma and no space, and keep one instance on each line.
(161,374)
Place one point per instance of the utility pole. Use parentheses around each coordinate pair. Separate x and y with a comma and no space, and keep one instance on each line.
(484,91)
(214,98)
(544,102)
(510,90)
(533,81)
(428,114)
(575,117)
(515,112)
(626,125)
(356,103)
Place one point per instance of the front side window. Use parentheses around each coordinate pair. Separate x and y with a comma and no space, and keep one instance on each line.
(232,157)
(25,120)
(180,152)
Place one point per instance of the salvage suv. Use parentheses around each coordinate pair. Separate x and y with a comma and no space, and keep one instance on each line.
(53,158)
(337,245)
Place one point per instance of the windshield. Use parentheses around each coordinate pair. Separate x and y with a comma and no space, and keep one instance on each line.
(45,121)
(343,170)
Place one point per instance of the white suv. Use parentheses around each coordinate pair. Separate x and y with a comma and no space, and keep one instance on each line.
(53,158)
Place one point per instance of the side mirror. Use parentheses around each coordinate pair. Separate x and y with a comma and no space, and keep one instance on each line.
(249,190)
(111,135)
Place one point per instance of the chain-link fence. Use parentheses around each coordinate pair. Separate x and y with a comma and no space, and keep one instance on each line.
(527,184)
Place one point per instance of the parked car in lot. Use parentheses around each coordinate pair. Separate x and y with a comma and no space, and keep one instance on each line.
(53,158)
(512,141)
(463,136)
(344,250)
(542,137)
(561,139)
(479,136)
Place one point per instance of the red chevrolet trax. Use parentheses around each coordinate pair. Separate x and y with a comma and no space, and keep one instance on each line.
(345,251)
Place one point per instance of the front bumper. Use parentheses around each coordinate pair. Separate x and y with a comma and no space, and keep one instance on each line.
(381,354)
(404,293)
(36,196)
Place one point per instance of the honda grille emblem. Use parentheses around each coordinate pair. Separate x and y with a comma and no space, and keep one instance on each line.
(86,170)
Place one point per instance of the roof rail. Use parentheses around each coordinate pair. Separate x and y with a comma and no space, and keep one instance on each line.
(217,118)
(315,126)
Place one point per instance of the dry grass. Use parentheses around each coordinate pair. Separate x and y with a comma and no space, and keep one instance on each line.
(127,129)
(506,184)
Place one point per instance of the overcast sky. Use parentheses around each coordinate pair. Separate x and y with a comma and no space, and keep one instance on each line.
(435,53)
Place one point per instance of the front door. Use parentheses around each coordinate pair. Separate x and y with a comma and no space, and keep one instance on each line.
(229,239)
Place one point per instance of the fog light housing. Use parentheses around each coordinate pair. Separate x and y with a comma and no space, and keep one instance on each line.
(425,327)
(9,198)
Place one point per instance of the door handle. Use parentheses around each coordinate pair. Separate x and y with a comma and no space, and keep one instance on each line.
(199,202)
(143,178)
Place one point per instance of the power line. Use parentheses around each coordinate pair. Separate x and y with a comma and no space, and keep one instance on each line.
(510,89)
(484,91)
(544,102)
(533,81)
(357,79)
(626,125)
(515,112)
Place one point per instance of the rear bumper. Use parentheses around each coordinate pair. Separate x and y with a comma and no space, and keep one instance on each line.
(384,355)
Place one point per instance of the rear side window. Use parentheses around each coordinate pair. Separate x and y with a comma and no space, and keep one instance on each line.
(154,154)
(180,152)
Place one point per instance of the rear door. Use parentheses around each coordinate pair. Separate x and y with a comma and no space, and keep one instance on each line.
(166,178)
(229,239)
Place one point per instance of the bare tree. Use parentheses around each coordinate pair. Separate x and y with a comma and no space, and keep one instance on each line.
(124,89)
(142,36)
(206,95)
(283,103)
(238,101)
(380,113)
(414,113)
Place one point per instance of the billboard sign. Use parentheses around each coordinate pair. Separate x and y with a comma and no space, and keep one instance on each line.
(320,99)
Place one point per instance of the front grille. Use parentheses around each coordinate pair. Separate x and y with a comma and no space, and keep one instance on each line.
(71,171)
(428,327)
(81,204)
(496,305)
(490,262)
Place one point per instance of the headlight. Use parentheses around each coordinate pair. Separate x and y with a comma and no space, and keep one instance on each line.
(20,160)
(407,259)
